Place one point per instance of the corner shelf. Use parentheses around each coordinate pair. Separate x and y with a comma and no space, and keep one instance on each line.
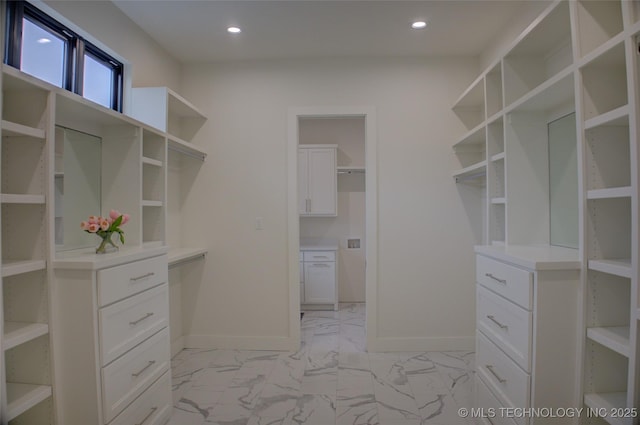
(618,267)
(178,145)
(22,397)
(616,117)
(12,268)
(615,338)
(471,172)
(16,333)
(607,401)
(7,198)
(610,193)
(182,255)
(150,161)
(14,129)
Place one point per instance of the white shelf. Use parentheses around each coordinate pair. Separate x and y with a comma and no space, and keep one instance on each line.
(471,172)
(473,96)
(146,203)
(12,268)
(619,267)
(14,129)
(181,107)
(22,397)
(617,117)
(151,161)
(181,255)
(16,333)
(498,157)
(178,145)
(610,193)
(474,137)
(607,401)
(350,170)
(615,338)
(58,174)
(498,201)
(554,92)
(7,198)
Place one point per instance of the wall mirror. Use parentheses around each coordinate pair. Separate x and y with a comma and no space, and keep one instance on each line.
(77,186)
(563,182)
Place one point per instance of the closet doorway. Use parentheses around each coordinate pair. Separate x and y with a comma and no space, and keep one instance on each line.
(346,238)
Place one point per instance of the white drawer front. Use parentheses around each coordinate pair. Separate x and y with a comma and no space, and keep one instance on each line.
(120,282)
(125,324)
(490,406)
(510,383)
(128,377)
(509,326)
(151,408)
(319,256)
(511,282)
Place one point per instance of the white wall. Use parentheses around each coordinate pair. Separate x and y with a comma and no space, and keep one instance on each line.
(152,65)
(425,255)
(349,135)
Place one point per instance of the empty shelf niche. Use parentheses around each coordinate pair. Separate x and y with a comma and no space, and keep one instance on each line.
(604,83)
(598,22)
(470,155)
(470,106)
(609,234)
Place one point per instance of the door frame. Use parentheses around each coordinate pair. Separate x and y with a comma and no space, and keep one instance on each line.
(371,212)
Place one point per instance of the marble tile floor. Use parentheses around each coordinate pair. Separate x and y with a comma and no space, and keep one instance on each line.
(331,380)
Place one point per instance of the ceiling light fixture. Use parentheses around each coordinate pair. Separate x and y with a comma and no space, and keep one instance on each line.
(418,25)
(43,40)
(234,30)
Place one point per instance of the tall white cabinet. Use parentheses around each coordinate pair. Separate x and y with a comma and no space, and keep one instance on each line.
(577,56)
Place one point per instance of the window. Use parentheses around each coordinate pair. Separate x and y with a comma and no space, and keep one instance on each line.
(41,46)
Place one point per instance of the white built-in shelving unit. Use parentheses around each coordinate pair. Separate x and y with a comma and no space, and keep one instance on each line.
(577,56)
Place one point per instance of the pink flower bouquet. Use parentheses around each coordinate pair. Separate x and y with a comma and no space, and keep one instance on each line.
(105,227)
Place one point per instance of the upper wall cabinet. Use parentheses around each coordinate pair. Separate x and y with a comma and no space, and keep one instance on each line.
(169,112)
(317,181)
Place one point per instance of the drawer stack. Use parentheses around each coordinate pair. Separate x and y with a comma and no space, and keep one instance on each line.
(319,279)
(113,360)
(522,359)
(134,339)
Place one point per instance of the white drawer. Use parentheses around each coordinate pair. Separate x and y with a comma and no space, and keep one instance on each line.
(509,383)
(319,256)
(125,324)
(128,377)
(116,283)
(490,406)
(509,281)
(154,407)
(509,326)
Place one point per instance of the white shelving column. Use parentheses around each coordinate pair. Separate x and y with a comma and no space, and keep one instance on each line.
(25,198)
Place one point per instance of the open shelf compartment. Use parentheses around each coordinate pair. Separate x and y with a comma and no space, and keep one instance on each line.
(598,22)
(543,51)
(470,105)
(604,83)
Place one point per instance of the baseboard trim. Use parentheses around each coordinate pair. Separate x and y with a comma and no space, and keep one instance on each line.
(464,343)
(240,342)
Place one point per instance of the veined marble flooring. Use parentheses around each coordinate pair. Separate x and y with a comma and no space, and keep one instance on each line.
(331,380)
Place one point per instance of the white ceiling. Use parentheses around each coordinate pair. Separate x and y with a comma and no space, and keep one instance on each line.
(195,31)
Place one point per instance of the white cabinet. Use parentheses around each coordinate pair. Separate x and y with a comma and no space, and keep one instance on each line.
(317,180)
(112,352)
(527,331)
(319,279)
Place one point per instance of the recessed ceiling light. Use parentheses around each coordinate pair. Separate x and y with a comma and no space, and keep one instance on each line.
(418,25)
(234,30)
(43,40)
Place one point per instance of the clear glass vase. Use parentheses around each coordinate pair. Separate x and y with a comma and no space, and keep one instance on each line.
(106,245)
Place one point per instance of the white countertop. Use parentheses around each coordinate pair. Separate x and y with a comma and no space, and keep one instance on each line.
(87,259)
(318,244)
(534,257)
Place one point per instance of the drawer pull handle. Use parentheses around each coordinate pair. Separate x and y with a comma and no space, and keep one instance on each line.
(320,265)
(320,256)
(146,316)
(493,319)
(141,371)
(490,276)
(493,372)
(144,276)
(153,410)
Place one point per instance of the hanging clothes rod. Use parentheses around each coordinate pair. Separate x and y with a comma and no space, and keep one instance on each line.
(351,171)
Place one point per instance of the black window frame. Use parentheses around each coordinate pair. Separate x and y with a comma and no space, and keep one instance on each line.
(76,47)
